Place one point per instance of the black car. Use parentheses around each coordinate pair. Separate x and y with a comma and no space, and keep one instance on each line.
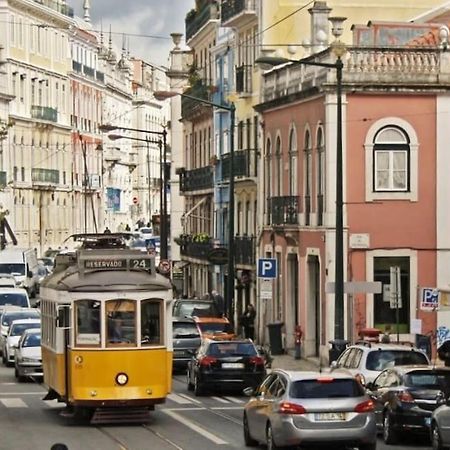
(186,340)
(229,365)
(188,307)
(405,397)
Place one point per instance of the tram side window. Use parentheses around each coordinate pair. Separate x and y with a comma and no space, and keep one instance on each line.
(121,322)
(88,322)
(151,322)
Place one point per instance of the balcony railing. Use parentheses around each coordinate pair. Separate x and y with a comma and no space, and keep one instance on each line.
(3,179)
(284,210)
(245,250)
(196,19)
(232,9)
(245,164)
(244,79)
(89,71)
(196,179)
(57,6)
(45,176)
(44,113)
(100,76)
(76,66)
(198,250)
(189,106)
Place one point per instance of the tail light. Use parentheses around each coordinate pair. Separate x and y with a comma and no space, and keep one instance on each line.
(366,406)
(207,360)
(291,408)
(257,360)
(325,379)
(405,397)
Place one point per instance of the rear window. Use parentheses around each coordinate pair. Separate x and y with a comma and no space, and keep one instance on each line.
(232,349)
(383,359)
(185,330)
(337,388)
(8,318)
(19,328)
(195,309)
(428,380)
(213,327)
(14,299)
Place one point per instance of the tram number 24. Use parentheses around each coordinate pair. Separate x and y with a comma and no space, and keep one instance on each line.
(140,263)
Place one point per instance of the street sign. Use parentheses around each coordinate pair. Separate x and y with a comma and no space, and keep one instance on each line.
(429,299)
(267,268)
(356,287)
(164,267)
(265,288)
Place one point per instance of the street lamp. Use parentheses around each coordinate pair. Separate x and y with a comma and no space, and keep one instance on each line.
(338,49)
(162,95)
(164,228)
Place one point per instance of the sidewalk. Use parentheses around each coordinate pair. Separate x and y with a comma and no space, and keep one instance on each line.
(288,362)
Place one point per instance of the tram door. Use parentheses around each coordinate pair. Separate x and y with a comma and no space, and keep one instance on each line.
(63,340)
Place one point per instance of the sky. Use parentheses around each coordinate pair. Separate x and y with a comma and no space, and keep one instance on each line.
(156,18)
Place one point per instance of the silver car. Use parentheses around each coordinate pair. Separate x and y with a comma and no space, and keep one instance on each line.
(307,408)
(28,360)
(440,426)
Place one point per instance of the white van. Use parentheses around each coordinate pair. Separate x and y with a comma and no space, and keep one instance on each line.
(22,263)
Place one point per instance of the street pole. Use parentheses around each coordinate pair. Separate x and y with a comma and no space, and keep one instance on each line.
(230,276)
(149,203)
(339,248)
(164,217)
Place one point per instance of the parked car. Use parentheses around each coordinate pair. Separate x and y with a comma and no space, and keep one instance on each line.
(215,327)
(15,331)
(366,360)
(440,426)
(232,364)
(14,297)
(405,397)
(309,408)
(28,355)
(187,307)
(12,313)
(186,340)
(7,281)
(145,233)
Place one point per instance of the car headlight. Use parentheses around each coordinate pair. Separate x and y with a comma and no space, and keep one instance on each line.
(121,379)
(30,360)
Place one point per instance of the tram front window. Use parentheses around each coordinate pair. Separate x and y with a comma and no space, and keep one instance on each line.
(88,322)
(121,322)
(151,315)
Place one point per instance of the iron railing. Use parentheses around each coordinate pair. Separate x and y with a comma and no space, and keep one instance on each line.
(245,164)
(47,176)
(198,250)
(196,19)
(245,250)
(196,179)
(100,76)
(57,6)
(44,113)
(284,210)
(89,71)
(231,8)
(190,106)
(76,66)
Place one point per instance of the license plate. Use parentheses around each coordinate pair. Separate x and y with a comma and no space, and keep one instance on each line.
(178,353)
(329,417)
(232,366)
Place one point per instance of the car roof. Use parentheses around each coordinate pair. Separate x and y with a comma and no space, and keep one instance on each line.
(32,331)
(11,290)
(21,321)
(297,375)
(183,319)
(19,310)
(384,346)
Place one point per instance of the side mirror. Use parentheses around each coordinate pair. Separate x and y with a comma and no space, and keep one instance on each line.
(334,365)
(249,391)
(30,274)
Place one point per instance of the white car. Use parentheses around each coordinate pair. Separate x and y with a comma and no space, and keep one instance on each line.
(28,361)
(14,297)
(16,330)
(145,233)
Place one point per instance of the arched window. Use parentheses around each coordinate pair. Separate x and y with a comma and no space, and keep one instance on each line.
(320,176)
(293,162)
(391,160)
(279,167)
(307,174)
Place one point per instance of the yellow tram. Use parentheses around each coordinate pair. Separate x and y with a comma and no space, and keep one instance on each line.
(107,330)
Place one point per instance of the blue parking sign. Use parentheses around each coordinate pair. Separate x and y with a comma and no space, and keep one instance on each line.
(267,268)
(429,299)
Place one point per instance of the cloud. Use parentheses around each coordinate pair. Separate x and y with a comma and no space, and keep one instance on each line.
(151,20)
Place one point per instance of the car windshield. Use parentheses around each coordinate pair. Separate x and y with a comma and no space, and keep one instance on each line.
(382,359)
(429,379)
(18,328)
(13,269)
(32,340)
(215,327)
(196,309)
(8,318)
(224,349)
(326,388)
(16,299)
(185,330)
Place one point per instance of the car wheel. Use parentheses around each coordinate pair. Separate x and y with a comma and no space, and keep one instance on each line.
(436,441)
(389,434)
(249,441)
(190,386)
(371,446)
(269,439)
(4,359)
(198,388)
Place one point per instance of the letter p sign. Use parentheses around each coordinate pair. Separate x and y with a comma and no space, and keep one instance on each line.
(267,268)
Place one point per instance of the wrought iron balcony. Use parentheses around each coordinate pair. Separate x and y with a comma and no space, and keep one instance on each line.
(245,164)
(190,106)
(57,6)
(77,67)
(3,179)
(245,250)
(196,19)
(198,250)
(196,179)
(284,210)
(45,177)
(234,10)
(89,71)
(244,79)
(44,113)
(100,76)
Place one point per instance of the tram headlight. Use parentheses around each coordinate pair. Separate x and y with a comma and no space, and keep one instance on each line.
(121,379)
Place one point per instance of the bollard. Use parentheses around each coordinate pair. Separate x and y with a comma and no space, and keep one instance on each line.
(298,342)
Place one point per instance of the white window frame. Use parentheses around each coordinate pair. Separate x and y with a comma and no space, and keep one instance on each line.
(390,169)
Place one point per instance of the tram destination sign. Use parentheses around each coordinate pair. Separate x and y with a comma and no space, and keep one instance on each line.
(106,263)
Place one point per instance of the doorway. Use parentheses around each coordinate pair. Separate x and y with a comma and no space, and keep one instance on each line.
(312,341)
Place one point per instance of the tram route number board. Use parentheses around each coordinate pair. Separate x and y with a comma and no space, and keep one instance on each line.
(134,263)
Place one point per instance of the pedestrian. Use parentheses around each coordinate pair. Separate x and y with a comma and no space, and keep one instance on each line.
(127,227)
(248,322)
(219,302)
(107,231)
